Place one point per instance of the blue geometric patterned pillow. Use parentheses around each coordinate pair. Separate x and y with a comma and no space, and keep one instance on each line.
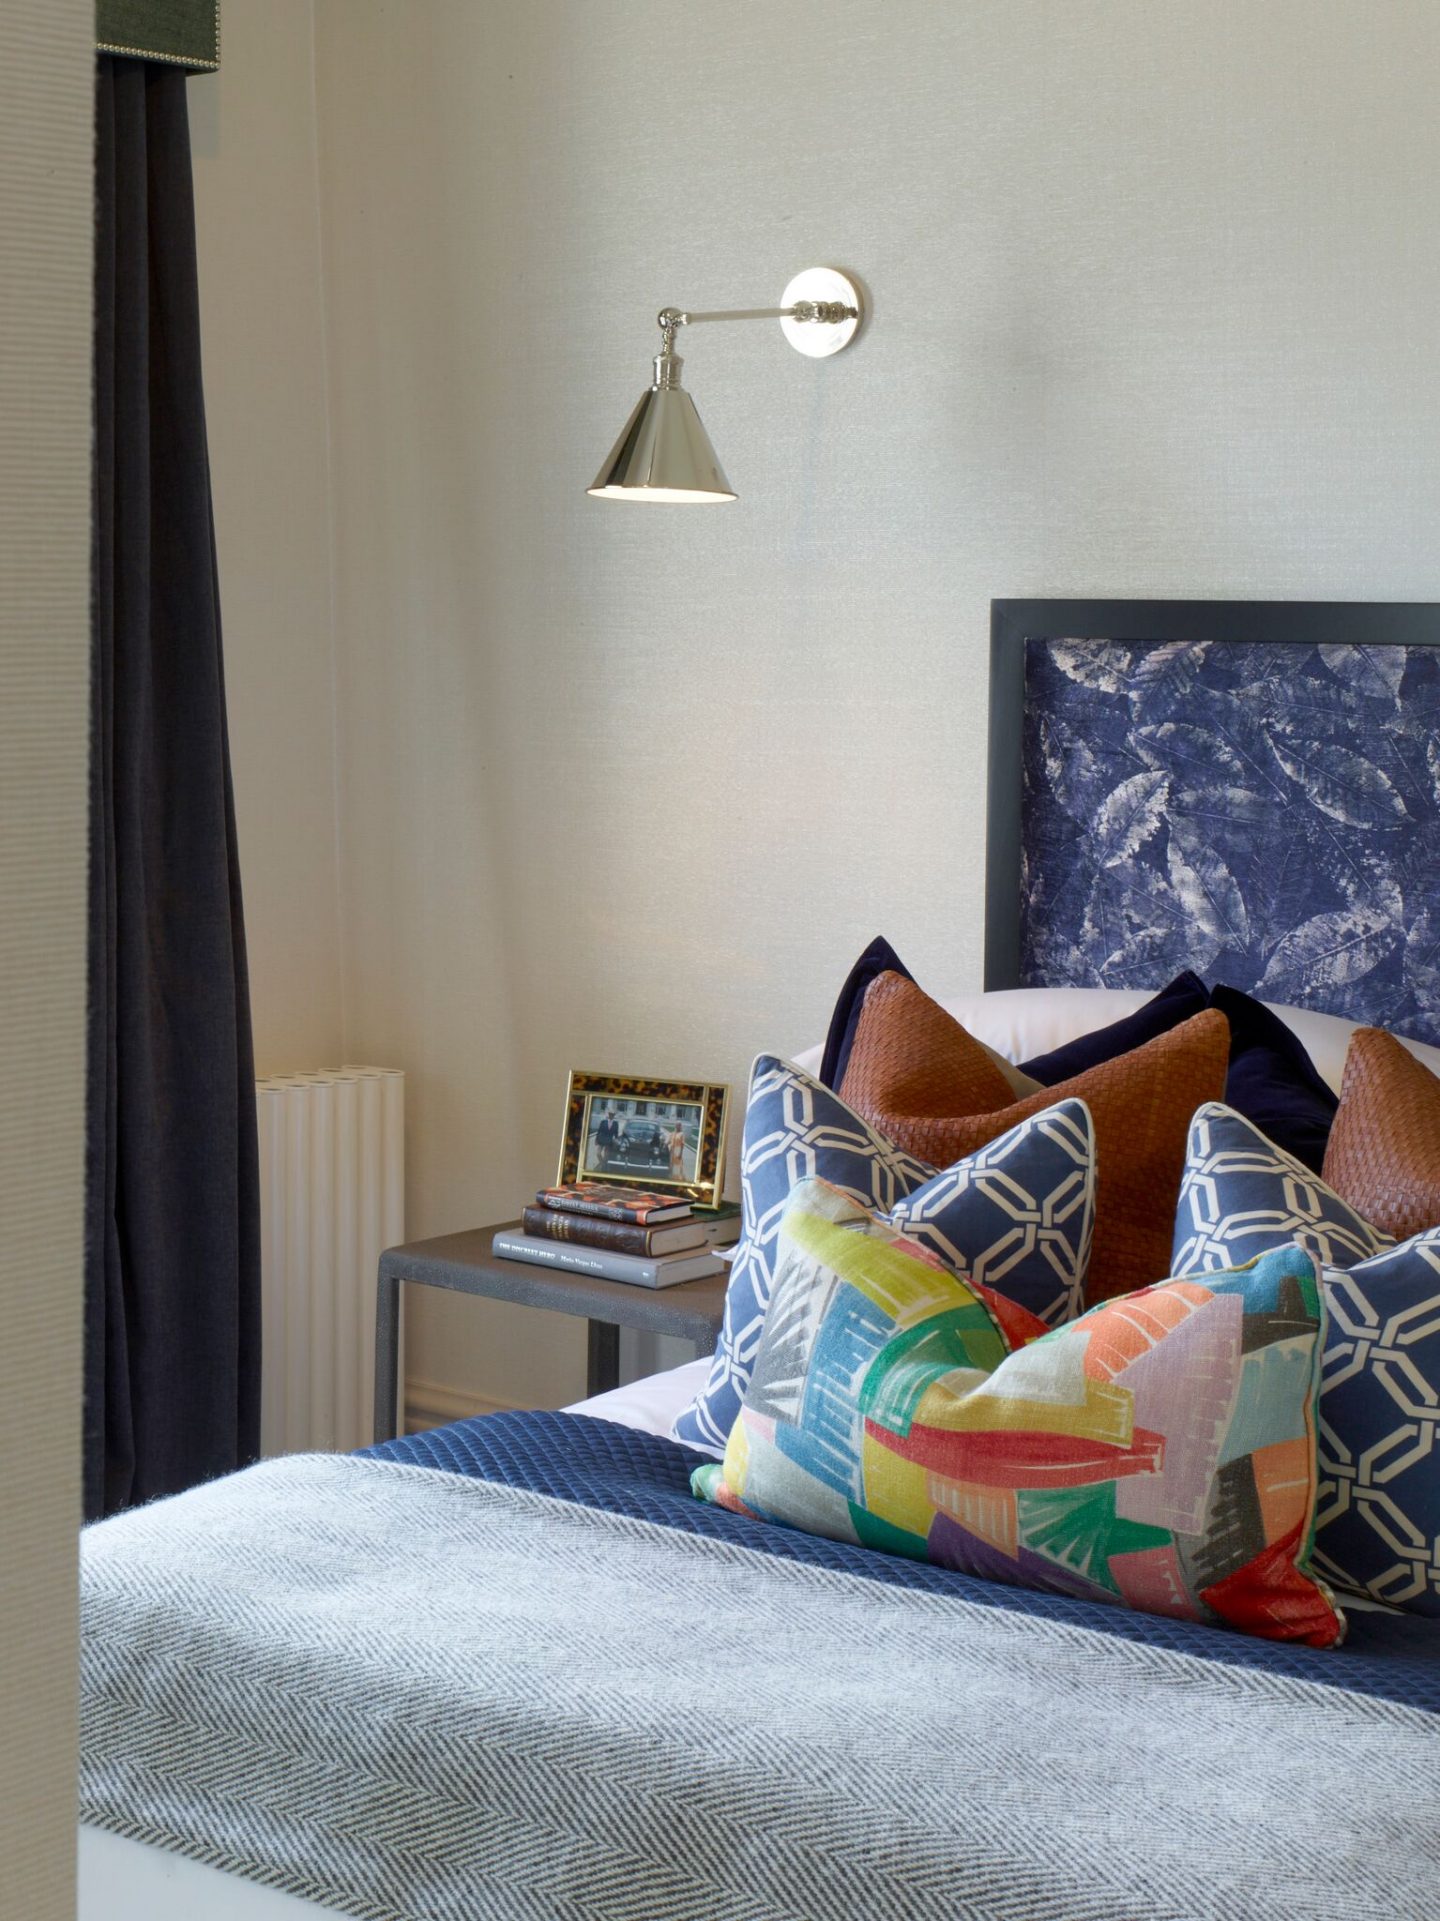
(1242,1196)
(1017,1216)
(1377,1525)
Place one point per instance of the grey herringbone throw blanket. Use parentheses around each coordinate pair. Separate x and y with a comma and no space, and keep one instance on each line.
(407,1694)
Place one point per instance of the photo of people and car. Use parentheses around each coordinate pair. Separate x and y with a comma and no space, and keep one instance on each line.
(653,1140)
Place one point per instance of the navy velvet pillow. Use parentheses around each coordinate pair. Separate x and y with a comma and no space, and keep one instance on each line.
(1186,996)
(879,958)
(1272,1080)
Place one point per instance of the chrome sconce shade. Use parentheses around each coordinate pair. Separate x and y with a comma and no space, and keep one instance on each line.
(664,453)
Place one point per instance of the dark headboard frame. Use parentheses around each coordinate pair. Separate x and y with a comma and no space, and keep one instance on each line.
(1305,623)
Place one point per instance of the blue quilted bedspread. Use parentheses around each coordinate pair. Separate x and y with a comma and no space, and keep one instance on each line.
(579,1458)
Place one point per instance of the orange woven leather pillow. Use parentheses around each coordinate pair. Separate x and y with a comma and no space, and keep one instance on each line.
(916,1074)
(1383,1156)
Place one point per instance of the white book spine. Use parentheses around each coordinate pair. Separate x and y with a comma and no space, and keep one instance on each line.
(633,1268)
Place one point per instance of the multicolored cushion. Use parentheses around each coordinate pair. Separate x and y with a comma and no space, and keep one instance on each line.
(1384,1151)
(1378,1523)
(1016,1216)
(1242,1195)
(850,1289)
(1157,1454)
(925,1083)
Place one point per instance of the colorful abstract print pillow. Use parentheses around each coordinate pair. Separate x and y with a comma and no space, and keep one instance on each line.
(854,1302)
(1158,1453)
(1017,1216)
(1378,1517)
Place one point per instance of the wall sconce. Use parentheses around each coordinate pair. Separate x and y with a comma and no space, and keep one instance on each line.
(664,453)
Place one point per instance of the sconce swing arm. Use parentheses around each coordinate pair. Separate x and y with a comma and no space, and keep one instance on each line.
(801,313)
(827,313)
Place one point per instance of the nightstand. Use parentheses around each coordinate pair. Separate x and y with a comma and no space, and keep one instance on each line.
(465,1264)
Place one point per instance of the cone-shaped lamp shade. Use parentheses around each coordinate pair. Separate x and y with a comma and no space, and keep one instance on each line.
(663,454)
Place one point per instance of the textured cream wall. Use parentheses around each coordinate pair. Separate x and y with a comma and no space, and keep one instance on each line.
(1154,289)
(257,217)
(46,116)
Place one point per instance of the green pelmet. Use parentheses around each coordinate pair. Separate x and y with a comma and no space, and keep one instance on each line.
(185,33)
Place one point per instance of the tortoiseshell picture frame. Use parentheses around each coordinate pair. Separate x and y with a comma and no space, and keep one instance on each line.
(698,1108)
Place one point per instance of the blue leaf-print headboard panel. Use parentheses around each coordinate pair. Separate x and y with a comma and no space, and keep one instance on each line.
(1268,814)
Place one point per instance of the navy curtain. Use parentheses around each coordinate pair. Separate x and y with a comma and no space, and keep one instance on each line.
(172,1227)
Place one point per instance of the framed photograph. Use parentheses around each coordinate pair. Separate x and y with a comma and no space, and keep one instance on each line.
(668,1136)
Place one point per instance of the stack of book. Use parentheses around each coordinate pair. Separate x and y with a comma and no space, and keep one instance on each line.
(622,1234)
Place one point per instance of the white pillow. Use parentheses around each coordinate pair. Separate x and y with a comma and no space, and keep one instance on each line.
(1326,1039)
(1021,1022)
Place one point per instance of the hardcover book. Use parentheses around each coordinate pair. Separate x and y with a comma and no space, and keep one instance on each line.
(721,1212)
(621,1237)
(614,1203)
(668,1271)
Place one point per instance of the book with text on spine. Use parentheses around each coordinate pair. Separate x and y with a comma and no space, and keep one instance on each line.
(615,1203)
(624,1237)
(669,1270)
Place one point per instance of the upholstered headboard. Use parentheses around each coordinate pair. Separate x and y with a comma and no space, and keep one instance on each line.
(1251,789)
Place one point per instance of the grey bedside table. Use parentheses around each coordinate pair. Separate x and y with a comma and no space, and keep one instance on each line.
(466,1265)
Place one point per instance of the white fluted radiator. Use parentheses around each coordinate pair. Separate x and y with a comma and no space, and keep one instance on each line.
(332,1197)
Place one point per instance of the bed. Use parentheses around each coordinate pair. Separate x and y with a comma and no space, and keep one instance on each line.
(675,1710)
(1376,1703)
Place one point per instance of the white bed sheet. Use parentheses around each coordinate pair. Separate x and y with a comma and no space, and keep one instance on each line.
(124,1880)
(651,1404)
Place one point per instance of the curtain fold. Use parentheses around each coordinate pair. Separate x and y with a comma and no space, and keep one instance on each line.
(172,1216)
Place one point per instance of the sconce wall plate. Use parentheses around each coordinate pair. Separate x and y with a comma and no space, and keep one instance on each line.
(663,453)
(819,286)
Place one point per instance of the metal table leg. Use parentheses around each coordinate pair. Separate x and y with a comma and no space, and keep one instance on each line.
(387,1354)
(603,1365)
